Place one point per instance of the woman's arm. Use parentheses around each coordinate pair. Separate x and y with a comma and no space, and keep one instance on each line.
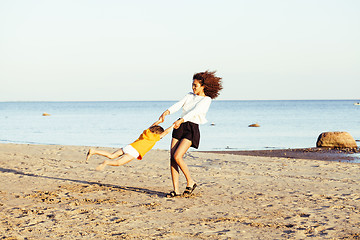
(162,117)
(174,108)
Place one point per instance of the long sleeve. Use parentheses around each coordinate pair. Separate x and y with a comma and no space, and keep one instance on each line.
(194,108)
(177,106)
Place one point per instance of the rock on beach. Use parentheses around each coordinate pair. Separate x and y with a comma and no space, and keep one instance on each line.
(336,140)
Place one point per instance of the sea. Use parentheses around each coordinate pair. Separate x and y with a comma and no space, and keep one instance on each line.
(283,123)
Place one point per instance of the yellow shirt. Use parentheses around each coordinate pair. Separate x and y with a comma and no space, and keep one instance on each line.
(145,142)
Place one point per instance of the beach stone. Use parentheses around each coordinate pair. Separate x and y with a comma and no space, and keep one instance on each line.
(254,125)
(336,140)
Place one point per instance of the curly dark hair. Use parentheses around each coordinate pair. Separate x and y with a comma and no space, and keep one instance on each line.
(212,84)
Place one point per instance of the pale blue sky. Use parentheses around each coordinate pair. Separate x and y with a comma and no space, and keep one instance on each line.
(73,50)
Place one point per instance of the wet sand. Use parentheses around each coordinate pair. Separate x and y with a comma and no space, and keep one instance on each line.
(341,155)
(48,192)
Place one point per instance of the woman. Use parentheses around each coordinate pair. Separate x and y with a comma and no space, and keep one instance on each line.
(186,134)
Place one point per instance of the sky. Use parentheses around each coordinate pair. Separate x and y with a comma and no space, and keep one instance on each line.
(141,50)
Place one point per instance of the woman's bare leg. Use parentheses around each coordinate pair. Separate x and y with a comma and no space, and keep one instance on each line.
(178,151)
(184,145)
(174,168)
(121,161)
(113,155)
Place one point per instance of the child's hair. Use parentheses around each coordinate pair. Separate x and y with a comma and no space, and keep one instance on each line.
(212,84)
(156,129)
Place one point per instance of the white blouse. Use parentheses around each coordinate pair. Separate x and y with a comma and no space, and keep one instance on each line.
(194,108)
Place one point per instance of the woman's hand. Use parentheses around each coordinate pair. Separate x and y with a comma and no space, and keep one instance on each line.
(178,122)
(162,117)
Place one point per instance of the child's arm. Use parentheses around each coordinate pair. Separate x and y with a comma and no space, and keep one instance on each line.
(157,123)
(167,131)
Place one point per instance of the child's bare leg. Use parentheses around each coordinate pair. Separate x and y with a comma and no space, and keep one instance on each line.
(113,155)
(121,161)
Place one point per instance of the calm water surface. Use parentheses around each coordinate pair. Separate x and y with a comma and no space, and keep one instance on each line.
(283,124)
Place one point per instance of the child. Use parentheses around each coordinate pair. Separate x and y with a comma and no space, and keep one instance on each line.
(137,149)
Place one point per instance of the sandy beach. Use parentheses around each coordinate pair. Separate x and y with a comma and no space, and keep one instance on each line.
(48,192)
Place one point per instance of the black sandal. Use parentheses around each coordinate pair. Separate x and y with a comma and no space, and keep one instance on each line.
(173,194)
(189,190)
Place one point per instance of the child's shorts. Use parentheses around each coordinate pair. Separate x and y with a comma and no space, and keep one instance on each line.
(190,131)
(131,150)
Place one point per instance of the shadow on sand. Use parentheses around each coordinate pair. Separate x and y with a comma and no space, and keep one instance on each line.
(132,189)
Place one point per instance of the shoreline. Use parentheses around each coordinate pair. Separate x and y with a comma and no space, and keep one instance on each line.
(323,154)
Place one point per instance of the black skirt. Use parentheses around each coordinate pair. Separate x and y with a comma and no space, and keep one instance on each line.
(190,131)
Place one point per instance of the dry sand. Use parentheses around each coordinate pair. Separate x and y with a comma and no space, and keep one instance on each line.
(49,192)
